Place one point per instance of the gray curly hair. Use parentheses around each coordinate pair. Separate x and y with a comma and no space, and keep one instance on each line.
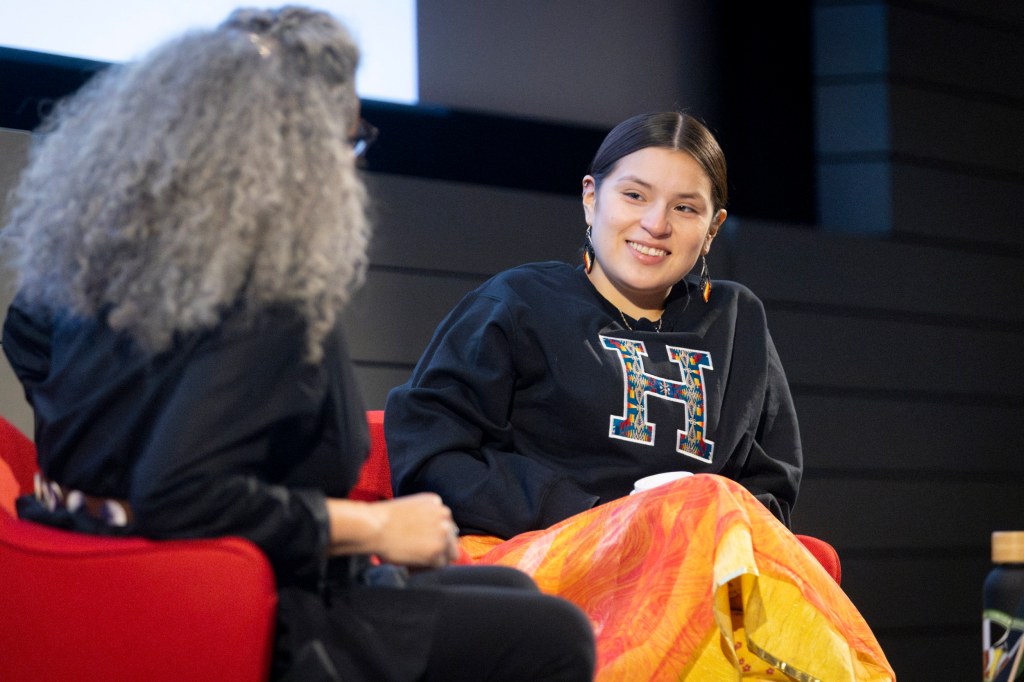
(215,173)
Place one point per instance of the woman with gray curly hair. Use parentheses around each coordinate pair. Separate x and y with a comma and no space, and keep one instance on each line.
(186,232)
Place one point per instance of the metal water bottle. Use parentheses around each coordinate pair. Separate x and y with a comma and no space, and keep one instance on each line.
(1003,611)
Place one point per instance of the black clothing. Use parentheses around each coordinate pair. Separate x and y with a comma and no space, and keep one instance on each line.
(206,439)
(534,401)
(232,432)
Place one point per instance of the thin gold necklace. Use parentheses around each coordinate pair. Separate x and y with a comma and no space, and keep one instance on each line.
(657,327)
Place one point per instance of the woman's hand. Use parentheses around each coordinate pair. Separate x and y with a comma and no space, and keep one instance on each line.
(416,530)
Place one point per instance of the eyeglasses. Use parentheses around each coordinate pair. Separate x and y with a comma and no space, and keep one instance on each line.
(362,139)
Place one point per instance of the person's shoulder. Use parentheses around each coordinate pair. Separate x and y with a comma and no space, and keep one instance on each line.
(742,303)
(21,315)
(530,279)
(735,291)
(728,296)
(725,290)
(542,272)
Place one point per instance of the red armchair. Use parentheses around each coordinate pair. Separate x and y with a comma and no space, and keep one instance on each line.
(375,484)
(76,606)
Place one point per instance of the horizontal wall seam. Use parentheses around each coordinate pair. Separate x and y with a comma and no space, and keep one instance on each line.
(382,364)
(926,553)
(902,158)
(958,475)
(430,272)
(942,320)
(972,629)
(961,16)
(948,398)
(963,92)
(961,246)
(972,94)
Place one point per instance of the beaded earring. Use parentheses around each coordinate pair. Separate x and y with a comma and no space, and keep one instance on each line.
(588,250)
(705,279)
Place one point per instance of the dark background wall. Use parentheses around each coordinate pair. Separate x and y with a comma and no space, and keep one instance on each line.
(877,182)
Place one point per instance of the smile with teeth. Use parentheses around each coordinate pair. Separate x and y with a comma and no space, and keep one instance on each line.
(647,250)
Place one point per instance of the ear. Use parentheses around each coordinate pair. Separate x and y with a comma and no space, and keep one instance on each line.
(716,223)
(589,197)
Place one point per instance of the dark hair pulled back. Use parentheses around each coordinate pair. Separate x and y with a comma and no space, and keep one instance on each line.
(668,130)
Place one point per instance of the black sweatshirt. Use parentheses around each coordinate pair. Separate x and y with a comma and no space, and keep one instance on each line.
(535,401)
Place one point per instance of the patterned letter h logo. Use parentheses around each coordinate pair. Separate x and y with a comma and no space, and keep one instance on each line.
(632,425)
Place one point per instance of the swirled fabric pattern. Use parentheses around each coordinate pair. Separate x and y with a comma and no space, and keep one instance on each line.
(696,580)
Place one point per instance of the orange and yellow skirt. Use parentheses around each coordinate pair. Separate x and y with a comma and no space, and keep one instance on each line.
(696,580)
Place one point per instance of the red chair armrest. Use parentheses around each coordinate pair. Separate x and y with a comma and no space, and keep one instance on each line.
(19,452)
(375,477)
(9,489)
(79,606)
(826,555)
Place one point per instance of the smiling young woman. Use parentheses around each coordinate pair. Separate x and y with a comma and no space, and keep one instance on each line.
(551,389)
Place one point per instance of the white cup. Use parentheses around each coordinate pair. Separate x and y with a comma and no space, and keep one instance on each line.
(648,482)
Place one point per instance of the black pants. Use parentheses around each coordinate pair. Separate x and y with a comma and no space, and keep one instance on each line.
(461,623)
(496,625)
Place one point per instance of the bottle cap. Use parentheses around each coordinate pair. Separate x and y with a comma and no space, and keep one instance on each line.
(1008,547)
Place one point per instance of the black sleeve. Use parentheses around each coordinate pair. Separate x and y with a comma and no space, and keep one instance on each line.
(243,412)
(774,465)
(448,429)
(26,341)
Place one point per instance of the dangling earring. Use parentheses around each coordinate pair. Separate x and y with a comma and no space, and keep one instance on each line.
(705,279)
(588,251)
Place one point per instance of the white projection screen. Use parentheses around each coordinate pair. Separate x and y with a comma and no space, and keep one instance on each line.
(120,30)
